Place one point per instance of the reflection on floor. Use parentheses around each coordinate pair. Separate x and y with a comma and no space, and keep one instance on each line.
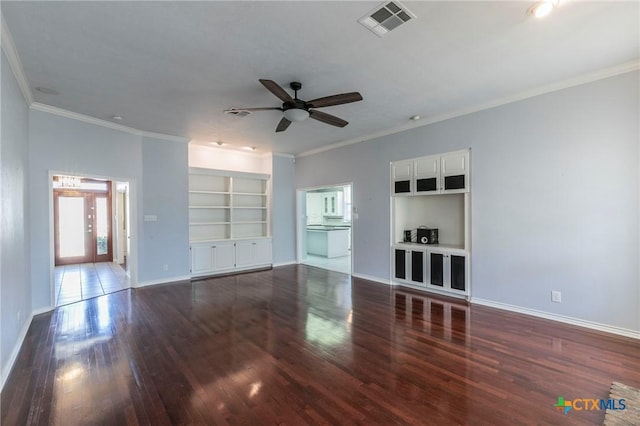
(338,264)
(84,281)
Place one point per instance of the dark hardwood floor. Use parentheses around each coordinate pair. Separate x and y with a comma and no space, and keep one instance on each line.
(300,345)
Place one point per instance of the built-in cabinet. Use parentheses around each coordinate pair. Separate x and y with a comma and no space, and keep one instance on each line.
(435,174)
(432,191)
(333,204)
(228,221)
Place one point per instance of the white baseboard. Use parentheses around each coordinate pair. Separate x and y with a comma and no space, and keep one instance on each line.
(163,281)
(292,262)
(16,350)
(372,278)
(43,310)
(560,318)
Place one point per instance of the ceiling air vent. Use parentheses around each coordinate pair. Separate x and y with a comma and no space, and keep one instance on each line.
(386,17)
(237,112)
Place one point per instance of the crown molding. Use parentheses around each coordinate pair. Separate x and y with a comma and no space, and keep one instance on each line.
(37,106)
(9,48)
(565,84)
(283,154)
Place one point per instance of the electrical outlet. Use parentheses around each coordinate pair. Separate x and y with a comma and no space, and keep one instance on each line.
(165,267)
(556,296)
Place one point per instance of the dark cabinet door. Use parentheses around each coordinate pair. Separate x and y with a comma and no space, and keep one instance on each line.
(402,187)
(458,266)
(436,260)
(417,266)
(400,263)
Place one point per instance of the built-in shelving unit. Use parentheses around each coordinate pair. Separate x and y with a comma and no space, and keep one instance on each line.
(432,192)
(228,207)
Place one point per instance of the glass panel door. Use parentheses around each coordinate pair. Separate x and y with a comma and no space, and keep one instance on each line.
(101,235)
(73,227)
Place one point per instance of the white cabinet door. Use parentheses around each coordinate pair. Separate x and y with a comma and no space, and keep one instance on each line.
(223,256)
(402,177)
(201,259)
(427,175)
(314,209)
(455,172)
(245,253)
(339,196)
(263,254)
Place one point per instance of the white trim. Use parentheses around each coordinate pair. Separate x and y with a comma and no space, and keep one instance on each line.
(282,154)
(14,353)
(10,51)
(372,278)
(291,262)
(560,318)
(41,311)
(576,81)
(37,106)
(163,281)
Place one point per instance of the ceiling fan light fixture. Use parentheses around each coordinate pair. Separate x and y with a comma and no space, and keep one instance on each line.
(296,115)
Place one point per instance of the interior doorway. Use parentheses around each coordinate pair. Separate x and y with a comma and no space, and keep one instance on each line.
(87,229)
(82,221)
(325,227)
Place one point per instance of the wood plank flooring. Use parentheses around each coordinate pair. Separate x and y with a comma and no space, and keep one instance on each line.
(300,345)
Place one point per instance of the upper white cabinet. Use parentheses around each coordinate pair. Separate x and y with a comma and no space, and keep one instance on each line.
(402,177)
(435,174)
(315,209)
(333,204)
(454,171)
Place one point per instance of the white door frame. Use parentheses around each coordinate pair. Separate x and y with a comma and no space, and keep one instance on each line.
(301,220)
(133,227)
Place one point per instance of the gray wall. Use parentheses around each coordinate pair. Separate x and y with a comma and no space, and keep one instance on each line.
(70,146)
(283,216)
(15,288)
(554,205)
(165,186)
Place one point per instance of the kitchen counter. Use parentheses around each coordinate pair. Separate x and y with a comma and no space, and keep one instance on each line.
(328,241)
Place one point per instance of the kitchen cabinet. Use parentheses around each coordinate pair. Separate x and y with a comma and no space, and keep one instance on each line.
(333,204)
(409,264)
(329,243)
(448,270)
(230,256)
(436,174)
(315,209)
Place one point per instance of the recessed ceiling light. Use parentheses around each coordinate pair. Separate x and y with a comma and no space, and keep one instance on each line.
(116,117)
(542,8)
(47,91)
(415,117)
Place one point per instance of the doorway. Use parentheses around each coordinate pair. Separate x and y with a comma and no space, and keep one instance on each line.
(325,227)
(84,221)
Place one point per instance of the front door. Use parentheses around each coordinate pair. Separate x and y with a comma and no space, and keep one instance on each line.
(82,221)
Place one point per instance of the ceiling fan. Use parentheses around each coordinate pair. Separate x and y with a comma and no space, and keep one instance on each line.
(296,110)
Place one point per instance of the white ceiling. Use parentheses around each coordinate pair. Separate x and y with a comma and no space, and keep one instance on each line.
(173,67)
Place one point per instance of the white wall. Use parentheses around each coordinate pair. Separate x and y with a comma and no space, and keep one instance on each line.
(555,198)
(211,157)
(15,284)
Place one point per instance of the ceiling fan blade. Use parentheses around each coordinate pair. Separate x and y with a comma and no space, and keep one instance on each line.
(274,88)
(343,98)
(327,118)
(282,125)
